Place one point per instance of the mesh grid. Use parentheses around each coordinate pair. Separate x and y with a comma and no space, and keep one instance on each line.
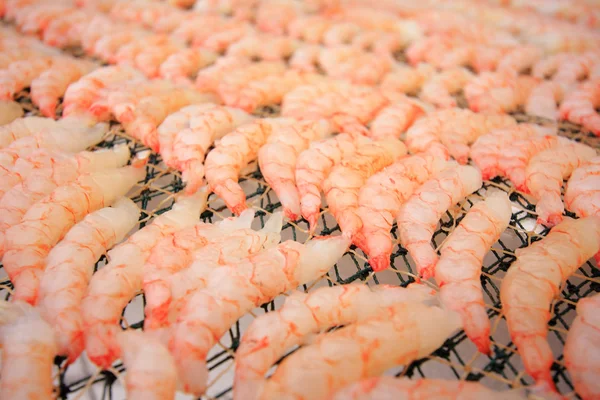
(456,359)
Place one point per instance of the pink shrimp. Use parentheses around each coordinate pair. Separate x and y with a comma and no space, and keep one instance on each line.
(113,286)
(583,189)
(547,66)
(80,95)
(309,28)
(519,59)
(268,337)
(341,33)
(51,85)
(407,80)
(278,157)
(9,112)
(381,198)
(533,281)
(419,215)
(94,30)
(274,16)
(313,167)
(108,46)
(185,137)
(498,92)
(220,40)
(378,42)
(545,174)
(23,127)
(396,118)
(35,18)
(28,349)
(458,270)
(234,81)
(430,49)
(20,74)
(357,66)
(576,68)
(579,106)
(343,184)
(488,150)
(151,371)
(148,53)
(264,47)
(582,360)
(543,100)
(397,335)
(455,128)
(182,66)
(65,30)
(149,15)
(207,79)
(233,290)
(391,388)
(66,277)
(438,89)
(234,152)
(305,58)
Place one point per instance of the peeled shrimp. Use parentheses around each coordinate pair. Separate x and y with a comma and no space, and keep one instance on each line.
(234,152)
(418,217)
(151,371)
(51,85)
(583,189)
(20,74)
(488,150)
(533,281)
(576,68)
(69,268)
(547,66)
(65,30)
(28,243)
(235,289)
(268,337)
(9,111)
(208,78)
(396,118)
(438,89)
(148,53)
(498,92)
(277,160)
(186,135)
(108,46)
(392,388)
(309,28)
(454,128)
(28,350)
(230,33)
(181,66)
(579,106)
(581,359)
(545,174)
(232,83)
(305,58)
(543,100)
(341,33)
(274,16)
(313,167)
(381,198)
(22,127)
(397,335)
(343,184)
(352,64)
(519,59)
(114,285)
(378,42)
(459,268)
(264,47)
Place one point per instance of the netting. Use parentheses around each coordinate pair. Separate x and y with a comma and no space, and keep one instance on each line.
(456,359)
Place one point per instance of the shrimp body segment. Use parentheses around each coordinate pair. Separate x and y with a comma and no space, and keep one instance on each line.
(268,337)
(533,281)
(22,127)
(579,106)
(181,66)
(581,359)
(438,90)
(343,185)
(277,160)
(545,174)
(20,74)
(583,189)
(396,335)
(381,198)
(459,268)
(47,222)
(419,216)
(70,265)
(396,118)
(543,100)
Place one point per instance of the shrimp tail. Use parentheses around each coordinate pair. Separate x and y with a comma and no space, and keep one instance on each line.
(104,338)
(193,176)
(233,195)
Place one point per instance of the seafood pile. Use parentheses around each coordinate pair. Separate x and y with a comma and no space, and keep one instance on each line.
(300,199)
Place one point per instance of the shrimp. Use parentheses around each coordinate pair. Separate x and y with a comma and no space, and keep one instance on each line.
(207,79)
(576,68)
(94,30)
(305,58)
(234,152)
(519,59)
(9,112)
(543,100)
(533,281)
(20,74)
(583,189)
(397,335)
(582,360)
(274,16)
(264,47)
(352,64)
(392,388)
(35,18)
(109,45)
(233,290)
(69,268)
(268,337)
(343,184)
(116,283)
(498,92)
(381,198)
(28,243)
(455,128)
(547,66)
(407,79)
(396,118)
(80,95)
(277,160)
(65,30)
(420,214)
(186,135)
(430,49)
(378,42)
(459,268)
(579,106)
(147,54)
(309,28)
(545,173)
(233,82)
(438,90)
(28,350)
(220,40)
(313,167)
(51,85)
(488,150)
(181,66)
(151,371)
(341,33)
